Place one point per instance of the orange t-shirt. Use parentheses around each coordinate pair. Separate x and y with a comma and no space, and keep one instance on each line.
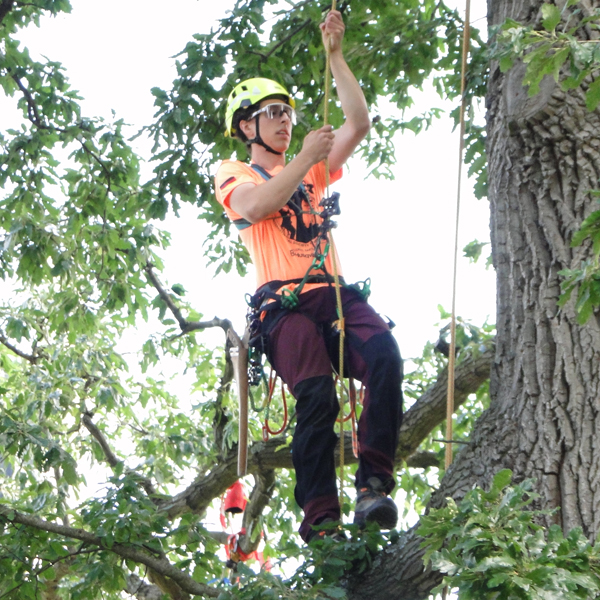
(282,246)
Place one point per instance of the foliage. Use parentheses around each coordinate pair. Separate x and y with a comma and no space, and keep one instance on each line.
(491,544)
(93,436)
(260,38)
(326,566)
(558,49)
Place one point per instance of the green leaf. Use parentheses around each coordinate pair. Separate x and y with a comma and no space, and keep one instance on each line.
(70,472)
(592,96)
(550,17)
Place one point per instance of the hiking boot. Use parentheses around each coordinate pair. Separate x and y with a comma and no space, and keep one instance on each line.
(335,533)
(373,504)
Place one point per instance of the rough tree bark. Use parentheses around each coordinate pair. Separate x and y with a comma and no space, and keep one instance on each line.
(545,381)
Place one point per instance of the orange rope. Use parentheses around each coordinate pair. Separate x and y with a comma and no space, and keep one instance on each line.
(266,429)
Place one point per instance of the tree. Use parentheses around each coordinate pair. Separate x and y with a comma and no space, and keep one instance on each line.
(80,250)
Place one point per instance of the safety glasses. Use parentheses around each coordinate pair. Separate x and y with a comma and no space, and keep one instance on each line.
(276,111)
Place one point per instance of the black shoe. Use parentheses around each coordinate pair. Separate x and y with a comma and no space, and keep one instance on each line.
(373,504)
(326,528)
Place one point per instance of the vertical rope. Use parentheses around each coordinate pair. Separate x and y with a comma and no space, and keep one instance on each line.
(336,278)
(452,356)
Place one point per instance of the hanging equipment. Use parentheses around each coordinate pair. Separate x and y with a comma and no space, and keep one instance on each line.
(235,499)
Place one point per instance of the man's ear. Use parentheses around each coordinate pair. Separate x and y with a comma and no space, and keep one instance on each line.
(248,128)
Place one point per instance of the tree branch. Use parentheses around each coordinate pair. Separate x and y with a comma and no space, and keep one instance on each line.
(159,565)
(429,411)
(259,500)
(28,357)
(288,37)
(111,458)
(185,326)
(419,420)
(32,110)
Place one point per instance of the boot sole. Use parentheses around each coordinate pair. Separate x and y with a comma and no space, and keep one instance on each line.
(385,516)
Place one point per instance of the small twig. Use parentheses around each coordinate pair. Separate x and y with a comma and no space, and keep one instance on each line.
(31,105)
(111,458)
(34,116)
(288,37)
(28,357)
(453,442)
(185,326)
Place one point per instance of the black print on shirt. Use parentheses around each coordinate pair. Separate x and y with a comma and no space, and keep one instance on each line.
(296,220)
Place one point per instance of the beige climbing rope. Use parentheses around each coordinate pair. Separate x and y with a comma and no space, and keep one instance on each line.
(336,278)
(452,356)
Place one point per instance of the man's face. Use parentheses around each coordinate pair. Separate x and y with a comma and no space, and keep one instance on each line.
(275,132)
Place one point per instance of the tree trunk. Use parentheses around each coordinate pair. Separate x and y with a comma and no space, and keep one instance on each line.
(545,379)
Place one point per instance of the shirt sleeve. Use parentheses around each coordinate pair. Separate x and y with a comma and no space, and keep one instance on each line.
(229,176)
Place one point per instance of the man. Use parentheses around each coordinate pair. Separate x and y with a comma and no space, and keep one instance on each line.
(275,206)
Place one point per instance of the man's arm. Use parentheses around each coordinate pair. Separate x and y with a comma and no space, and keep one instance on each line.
(255,202)
(354,105)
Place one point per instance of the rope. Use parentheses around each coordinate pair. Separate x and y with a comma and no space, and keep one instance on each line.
(452,356)
(336,277)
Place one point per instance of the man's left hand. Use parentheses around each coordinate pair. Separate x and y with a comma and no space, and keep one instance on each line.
(332,30)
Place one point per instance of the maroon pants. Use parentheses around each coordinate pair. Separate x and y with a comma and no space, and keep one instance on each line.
(302,346)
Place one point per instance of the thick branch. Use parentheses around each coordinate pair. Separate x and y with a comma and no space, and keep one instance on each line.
(419,420)
(429,411)
(424,460)
(259,500)
(159,565)
(111,458)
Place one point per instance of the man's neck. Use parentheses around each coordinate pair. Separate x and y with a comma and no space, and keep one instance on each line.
(265,159)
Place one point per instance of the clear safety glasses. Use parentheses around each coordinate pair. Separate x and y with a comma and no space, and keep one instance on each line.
(276,111)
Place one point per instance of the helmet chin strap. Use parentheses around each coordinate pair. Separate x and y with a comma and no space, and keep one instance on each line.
(258,140)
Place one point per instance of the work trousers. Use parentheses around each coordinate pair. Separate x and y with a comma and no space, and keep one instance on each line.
(302,347)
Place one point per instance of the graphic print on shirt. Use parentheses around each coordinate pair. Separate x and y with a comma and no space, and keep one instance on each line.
(297,221)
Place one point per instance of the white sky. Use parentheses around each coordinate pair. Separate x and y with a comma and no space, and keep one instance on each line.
(399,233)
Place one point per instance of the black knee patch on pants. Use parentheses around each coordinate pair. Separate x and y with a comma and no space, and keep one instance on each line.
(314,438)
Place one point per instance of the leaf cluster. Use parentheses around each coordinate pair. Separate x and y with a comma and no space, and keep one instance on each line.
(491,544)
(559,49)
(393,49)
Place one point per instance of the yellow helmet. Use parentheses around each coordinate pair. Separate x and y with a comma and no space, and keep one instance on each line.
(249,92)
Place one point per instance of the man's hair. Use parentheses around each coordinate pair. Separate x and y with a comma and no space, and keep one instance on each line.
(242,114)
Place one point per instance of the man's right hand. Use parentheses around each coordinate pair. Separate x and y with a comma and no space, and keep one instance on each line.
(318,144)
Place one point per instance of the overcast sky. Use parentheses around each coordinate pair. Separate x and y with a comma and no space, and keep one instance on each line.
(399,233)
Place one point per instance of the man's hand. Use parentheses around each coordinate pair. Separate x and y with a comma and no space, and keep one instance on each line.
(318,144)
(332,30)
